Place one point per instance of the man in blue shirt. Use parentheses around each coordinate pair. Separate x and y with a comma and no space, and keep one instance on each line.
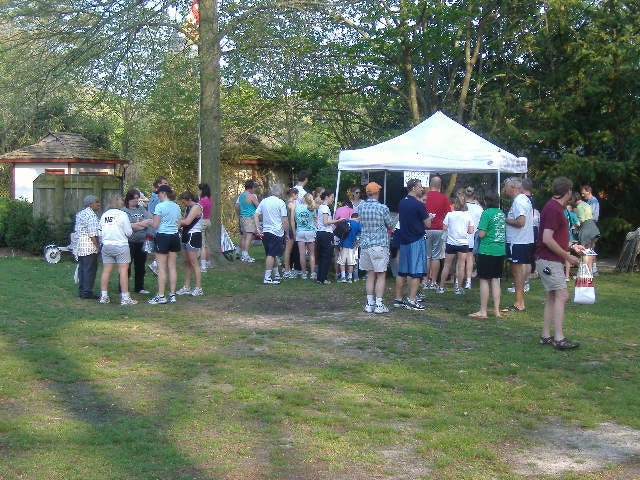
(414,219)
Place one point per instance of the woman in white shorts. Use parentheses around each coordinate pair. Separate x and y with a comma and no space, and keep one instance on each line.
(306,234)
(115,230)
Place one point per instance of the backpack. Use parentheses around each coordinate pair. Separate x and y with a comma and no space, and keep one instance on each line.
(342,229)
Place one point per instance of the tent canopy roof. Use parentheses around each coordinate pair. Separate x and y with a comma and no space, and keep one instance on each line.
(438,144)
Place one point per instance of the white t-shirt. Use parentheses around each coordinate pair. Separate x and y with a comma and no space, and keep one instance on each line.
(475,211)
(273,210)
(322,209)
(458,223)
(301,193)
(520,236)
(115,227)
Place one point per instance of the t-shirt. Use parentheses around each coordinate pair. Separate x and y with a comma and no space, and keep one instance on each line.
(350,240)
(169,213)
(247,208)
(492,222)
(458,223)
(322,210)
(595,208)
(115,228)
(301,193)
(411,214)
(137,215)
(344,211)
(521,207)
(437,203)
(205,203)
(552,218)
(273,210)
(304,219)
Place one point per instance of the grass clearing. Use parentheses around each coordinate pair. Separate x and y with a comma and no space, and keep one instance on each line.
(296,382)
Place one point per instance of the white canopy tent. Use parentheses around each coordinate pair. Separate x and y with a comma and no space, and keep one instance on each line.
(438,144)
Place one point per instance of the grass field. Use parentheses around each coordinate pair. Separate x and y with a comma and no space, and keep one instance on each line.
(296,382)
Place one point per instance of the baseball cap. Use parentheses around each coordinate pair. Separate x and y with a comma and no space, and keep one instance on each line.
(372,187)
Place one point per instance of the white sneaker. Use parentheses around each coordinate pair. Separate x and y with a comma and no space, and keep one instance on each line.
(527,287)
(203,266)
(143,292)
(467,284)
(128,301)
(104,300)
(313,276)
(303,275)
(184,291)
(511,289)
(459,291)
(196,292)
(440,290)
(368,308)
(248,259)
(342,280)
(381,308)
(172,298)
(158,300)
(271,281)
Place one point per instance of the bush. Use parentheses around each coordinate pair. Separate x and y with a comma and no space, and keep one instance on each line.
(18,228)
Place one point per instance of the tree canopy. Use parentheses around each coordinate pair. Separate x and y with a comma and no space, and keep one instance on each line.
(555,80)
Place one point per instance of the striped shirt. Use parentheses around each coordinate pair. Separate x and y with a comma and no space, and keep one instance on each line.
(375,219)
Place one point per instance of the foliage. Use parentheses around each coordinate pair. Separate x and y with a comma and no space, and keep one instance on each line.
(20,230)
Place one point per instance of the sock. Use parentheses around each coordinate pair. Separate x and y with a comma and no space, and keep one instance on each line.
(267,274)
(350,275)
(371,299)
(342,275)
(378,300)
(104,293)
(124,295)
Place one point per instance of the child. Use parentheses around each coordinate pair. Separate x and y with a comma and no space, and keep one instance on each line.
(348,250)
(459,225)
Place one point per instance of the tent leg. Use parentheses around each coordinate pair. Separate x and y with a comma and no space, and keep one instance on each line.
(335,200)
(384,190)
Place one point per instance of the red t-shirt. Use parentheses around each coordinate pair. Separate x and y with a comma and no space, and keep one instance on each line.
(552,218)
(437,203)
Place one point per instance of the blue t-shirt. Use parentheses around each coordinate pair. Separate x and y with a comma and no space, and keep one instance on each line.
(169,213)
(412,214)
(350,240)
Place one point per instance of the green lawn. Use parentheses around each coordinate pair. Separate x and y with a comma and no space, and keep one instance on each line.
(296,382)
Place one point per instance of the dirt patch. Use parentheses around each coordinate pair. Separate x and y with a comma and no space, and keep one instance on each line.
(560,448)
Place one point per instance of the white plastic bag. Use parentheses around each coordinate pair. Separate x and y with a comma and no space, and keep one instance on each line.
(585,292)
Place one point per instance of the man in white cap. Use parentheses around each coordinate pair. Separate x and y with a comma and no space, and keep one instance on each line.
(87,246)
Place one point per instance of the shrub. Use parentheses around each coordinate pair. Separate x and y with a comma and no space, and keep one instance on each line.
(18,228)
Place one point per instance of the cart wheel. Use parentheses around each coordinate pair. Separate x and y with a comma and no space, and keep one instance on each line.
(52,254)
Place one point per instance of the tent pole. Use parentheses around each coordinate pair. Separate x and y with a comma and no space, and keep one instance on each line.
(385,188)
(335,200)
(498,187)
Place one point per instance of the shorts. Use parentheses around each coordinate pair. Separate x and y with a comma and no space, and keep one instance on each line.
(193,242)
(435,244)
(519,253)
(413,259)
(116,254)
(374,259)
(273,245)
(167,242)
(489,266)
(555,279)
(247,225)
(347,256)
(453,249)
(305,236)
(205,225)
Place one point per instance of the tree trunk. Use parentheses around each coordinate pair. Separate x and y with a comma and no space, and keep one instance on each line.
(210,126)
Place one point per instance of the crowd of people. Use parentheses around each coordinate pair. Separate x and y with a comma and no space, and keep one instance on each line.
(433,241)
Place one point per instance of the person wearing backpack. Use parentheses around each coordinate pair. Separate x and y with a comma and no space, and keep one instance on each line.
(348,255)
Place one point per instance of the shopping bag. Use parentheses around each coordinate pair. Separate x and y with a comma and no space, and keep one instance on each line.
(585,292)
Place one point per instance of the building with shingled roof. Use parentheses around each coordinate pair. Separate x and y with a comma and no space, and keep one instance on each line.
(58,153)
